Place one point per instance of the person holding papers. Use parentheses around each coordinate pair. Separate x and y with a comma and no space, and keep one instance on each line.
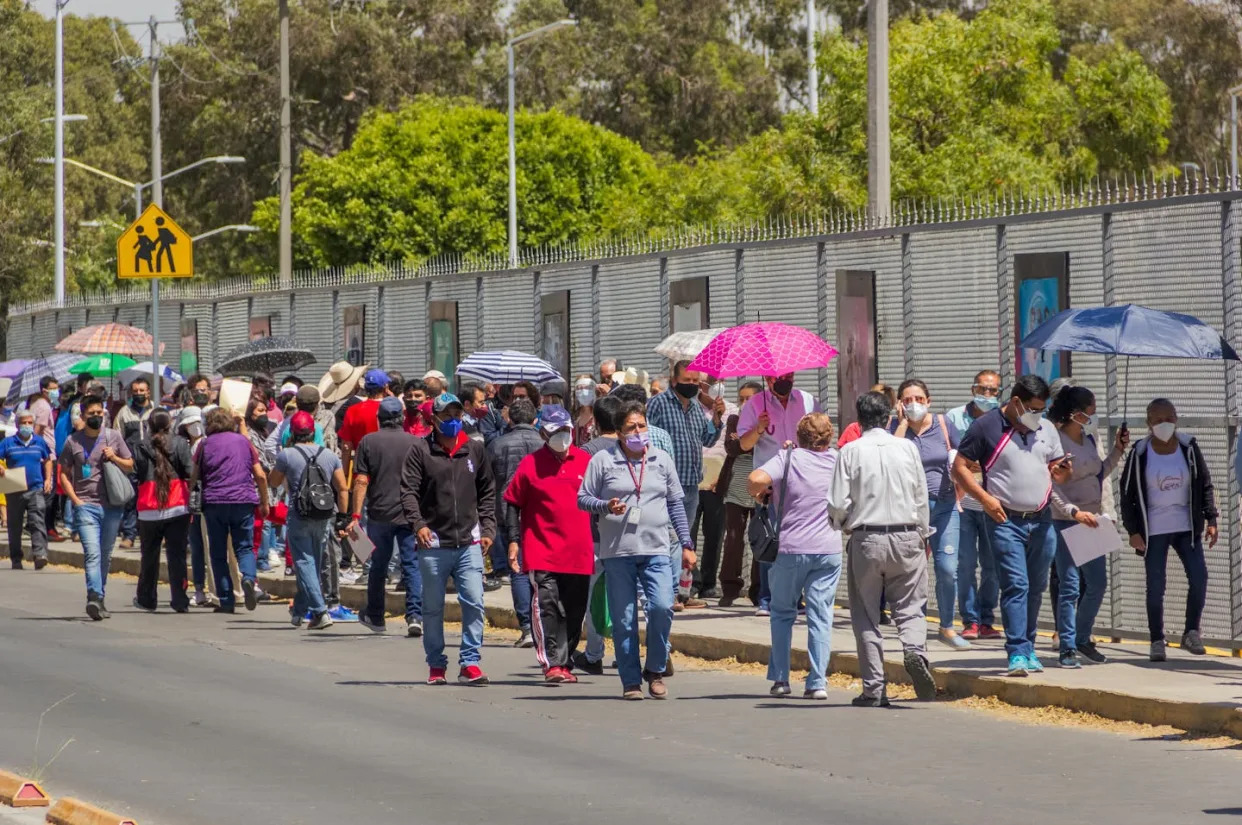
(1079,500)
(26,507)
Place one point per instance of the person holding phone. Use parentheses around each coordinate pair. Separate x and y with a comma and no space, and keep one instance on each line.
(1079,500)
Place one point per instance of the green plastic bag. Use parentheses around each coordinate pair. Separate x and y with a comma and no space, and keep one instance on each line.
(599,608)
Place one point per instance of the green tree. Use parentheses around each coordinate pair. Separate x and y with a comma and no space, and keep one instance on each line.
(433,178)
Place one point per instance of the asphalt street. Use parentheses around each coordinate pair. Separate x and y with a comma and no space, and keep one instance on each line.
(200,719)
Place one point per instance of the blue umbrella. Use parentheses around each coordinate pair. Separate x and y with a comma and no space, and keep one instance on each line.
(506,367)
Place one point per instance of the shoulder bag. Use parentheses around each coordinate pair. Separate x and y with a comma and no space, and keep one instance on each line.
(764,531)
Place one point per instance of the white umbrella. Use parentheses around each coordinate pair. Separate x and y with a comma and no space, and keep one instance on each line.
(683,346)
(506,367)
(169,377)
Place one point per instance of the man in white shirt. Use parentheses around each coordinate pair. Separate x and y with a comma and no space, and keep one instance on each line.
(770,419)
(879,499)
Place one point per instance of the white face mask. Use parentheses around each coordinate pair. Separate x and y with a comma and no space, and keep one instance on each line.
(916,412)
(1090,425)
(1030,419)
(559,442)
(717,390)
(1164,431)
(585,396)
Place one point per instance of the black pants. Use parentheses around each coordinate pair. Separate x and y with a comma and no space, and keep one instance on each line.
(711,518)
(174,534)
(27,509)
(736,518)
(561,605)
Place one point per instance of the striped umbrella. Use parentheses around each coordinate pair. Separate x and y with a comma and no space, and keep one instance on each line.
(115,339)
(168,376)
(506,367)
(58,366)
(681,346)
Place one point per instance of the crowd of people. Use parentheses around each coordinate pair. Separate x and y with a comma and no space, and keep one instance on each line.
(605,503)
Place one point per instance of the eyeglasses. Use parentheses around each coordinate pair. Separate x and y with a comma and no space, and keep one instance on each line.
(982,390)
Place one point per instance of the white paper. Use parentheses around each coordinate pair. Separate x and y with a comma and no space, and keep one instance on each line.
(1087,543)
(235,395)
(13,480)
(360,543)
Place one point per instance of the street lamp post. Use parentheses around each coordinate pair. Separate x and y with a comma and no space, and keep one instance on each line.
(509,46)
(59,127)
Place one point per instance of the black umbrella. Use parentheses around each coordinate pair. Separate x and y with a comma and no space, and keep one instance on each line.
(272,354)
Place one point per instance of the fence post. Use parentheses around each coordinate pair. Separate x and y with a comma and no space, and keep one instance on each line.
(537,286)
(1004,309)
(380,353)
(739,284)
(822,301)
(666,310)
(907,306)
(480,312)
(597,339)
(427,325)
(1231,291)
(293,316)
(338,331)
(1114,412)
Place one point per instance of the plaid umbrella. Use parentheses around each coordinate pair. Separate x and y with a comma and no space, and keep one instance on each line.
(506,367)
(12,369)
(271,354)
(58,366)
(116,339)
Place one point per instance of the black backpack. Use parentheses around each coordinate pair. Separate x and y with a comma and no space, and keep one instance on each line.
(315,501)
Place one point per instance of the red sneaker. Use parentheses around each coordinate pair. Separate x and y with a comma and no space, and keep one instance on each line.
(971,631)
(437,677)
(472,675)
(988,632)
(570,678)
(556,675)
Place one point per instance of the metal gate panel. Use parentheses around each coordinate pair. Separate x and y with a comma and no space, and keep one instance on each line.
(883,257)
(74,318)
(405,314)
(170,334)
(201,314)
(45,333)
(363,297)
(717,267)
(629,313)
(135,315)
(232,327)
(100,315)
(1217,614)
(509,312)
(315,326)
(274,306)
(20,338)
(581,314)
(781,286)
(461,290)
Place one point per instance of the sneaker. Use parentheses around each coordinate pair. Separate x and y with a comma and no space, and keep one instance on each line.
(288,570)
(865,701)
(1158,651)
(986,631)
(779,689)
(414,628)
(1017,665)
(726,601)
(762,611)
(555,675)
(94,609)
(369,624)
(437,676)
(341,613)
(55,536)
(321,622)
(296,619)
(103,608)
(1092,653)
(884,619)
(951,639)
(1192,643)
(40,562)
(350,576)
(587,666)
(694,604)
(248,594)
(921,675)
(818,694)
(17,564)
(970,632)
(491,585)
(140,606)
(525,640)
(222,609)
(1033,664)
(261,595)
(570,678)
(632,693)
(1069,659)
(472,675)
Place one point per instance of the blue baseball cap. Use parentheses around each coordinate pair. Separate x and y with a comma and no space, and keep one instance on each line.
(375,380)
(391,408)
(553,418)
(444,401)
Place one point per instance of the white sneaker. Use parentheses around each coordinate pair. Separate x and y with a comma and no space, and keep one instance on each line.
(320,622)
(349,577)
(414,629)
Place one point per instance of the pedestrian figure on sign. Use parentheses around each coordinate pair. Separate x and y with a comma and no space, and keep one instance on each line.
(164,242)
(145,247)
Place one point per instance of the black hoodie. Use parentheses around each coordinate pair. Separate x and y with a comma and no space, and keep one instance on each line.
(1134,488)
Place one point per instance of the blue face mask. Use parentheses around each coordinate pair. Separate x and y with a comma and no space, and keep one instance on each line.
(53,397)
(26,431)
(450,428)
(986,403)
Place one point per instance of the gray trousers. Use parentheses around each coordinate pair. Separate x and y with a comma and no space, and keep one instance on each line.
(28,506)
(895,565)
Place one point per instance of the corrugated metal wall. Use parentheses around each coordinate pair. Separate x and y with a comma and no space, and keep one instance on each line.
(274,307)
(170,333)
(508,312)
(201,314)
(315,326)
(405,342)
(629,313)
(781,286)
(232,327)
(364,297)
(581,314)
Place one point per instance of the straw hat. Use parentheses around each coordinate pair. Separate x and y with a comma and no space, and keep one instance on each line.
(340,381)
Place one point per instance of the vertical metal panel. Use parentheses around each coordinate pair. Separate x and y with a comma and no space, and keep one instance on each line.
(1231,289)
(405,318)
(825,289)
(511,311)
(170,333)
(274,306)
(364,297)
(883,257)
(461,290)
(20,338)
(73,318)
(135,315)
(536,292)
(629,313)
(45,333)
(316,327)
(232,326)
(717,267)
(780,286)
(582,331)
(201,314)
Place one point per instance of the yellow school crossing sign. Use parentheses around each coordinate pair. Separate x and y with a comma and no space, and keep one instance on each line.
(154,247)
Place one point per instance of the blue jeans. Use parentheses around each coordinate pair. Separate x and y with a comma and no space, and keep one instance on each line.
(97,526)
(1081,594)
(765,586)
(944,544)
(269,544)
(816,575)
(225,521)
(519,583)
(384,535)
(198,558)
(624,575)
(465,565)
(978,604)
(306,543)
(1024,549)
(1189,549)
(691,503)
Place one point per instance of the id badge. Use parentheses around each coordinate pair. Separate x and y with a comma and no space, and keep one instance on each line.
(86,471)
(633,515)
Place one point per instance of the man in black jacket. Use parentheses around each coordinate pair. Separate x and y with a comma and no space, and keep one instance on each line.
(506,453)
(1167,500)
(448,494)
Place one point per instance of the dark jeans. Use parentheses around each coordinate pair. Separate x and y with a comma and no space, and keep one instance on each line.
(519,585)
(173,533)
(129,521)
(198,558)
(1190,550)
(225,521)
(711,519)
(28,508)
(384,536)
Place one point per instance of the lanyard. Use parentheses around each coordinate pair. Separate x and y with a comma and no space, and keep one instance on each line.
(638,480)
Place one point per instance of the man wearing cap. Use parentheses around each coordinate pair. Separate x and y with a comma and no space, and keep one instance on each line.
(363,417)
(506,454)
(448,495)
(377,481)
(305,400)
(544,523)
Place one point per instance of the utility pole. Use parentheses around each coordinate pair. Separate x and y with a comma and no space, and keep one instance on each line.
(812,72)
(286,156)
(879,197)
(59,128)
(513,240)
(157,198)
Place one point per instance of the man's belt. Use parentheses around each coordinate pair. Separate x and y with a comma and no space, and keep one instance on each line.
(886,528)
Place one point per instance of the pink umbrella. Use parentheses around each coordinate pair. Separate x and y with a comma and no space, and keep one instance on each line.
(763,348)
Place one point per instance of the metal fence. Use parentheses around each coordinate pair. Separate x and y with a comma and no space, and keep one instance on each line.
(947,286)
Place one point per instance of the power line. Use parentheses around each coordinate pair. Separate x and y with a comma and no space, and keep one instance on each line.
(196,38)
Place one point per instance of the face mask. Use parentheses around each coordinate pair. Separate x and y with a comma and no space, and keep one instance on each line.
(260,422)
(94,422)
(986,403)
(1164,431)
(636,442)
(560,442)
(53,396)
(201,399)
(686,391)
(450,428)
(584,396)
(916,412)
(25,431)
(1029,418)
(411,405)
(783,387)
(1090,424)
(138,401)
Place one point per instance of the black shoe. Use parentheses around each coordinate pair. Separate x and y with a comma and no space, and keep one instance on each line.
(865,701)
(581,662)
(1091,653)
(884,617)
(709,593)
(921,676)
(491,584)
(222,609)
(141,606)
(668,669)
(94,609)
(17,564)
(40,562)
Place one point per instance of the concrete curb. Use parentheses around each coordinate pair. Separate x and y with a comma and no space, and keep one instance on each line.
(1197,717)
(70,811)
(20,792)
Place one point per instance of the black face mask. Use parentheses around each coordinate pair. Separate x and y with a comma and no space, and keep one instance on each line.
(412,405)
(686,390)
(783,387)
(260,422)
(138,401)
(94,422)
(200,399)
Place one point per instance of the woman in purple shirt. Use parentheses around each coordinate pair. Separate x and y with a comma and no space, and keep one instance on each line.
(809,560)
(228,466)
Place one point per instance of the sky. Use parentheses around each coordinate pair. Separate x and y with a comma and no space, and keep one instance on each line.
(127,10)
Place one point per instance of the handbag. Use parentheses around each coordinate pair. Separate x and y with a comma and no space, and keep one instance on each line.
(764,531)
(118,489)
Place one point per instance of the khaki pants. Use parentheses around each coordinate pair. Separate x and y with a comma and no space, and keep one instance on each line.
(893,565)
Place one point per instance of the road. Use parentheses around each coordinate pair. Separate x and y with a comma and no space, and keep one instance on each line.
(200,719)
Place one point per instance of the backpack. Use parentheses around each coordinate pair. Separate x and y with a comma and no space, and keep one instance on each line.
(315,500)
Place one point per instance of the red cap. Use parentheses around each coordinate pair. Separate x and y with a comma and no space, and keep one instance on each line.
(302,423)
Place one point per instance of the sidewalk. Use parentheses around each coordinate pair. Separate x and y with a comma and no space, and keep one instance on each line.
(1195,693)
